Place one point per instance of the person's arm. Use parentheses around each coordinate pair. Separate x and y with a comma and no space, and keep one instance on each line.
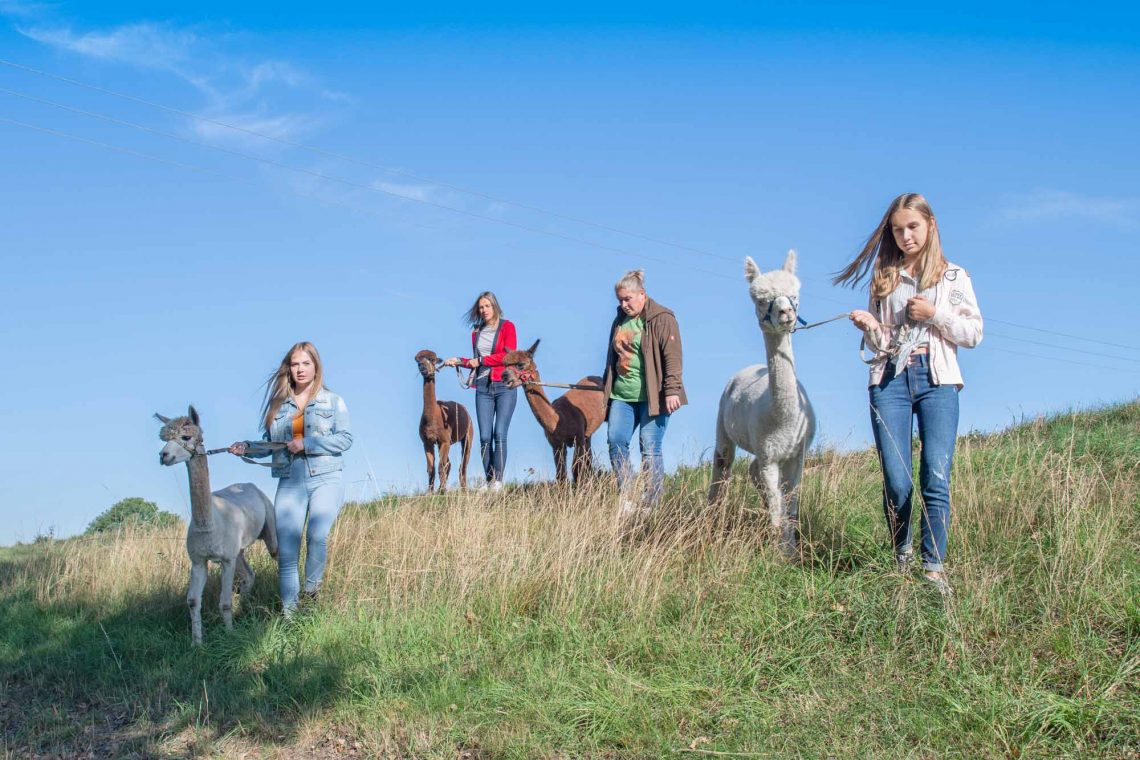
(671,365)
(508,343)
(960,324)
(339,440)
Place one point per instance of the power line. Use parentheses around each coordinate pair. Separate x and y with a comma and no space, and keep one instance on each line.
(1083,338)
(335,179)
(1064,348)
(200,170)
(361,162)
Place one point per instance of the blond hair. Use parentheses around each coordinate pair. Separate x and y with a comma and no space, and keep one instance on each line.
(279,386)
(633,280)
(882,253)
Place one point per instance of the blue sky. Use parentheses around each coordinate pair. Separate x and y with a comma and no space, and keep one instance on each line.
(141,281)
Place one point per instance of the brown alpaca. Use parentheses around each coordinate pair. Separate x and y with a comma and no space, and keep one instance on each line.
(442,424)
(569,421)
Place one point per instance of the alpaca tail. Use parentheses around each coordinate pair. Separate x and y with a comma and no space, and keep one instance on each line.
(269,529)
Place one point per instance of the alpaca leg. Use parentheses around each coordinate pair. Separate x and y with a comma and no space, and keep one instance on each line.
(429,455)
(791,472)
(444,465)
(766,477)
(194,601)
(559,463)
(245,574)
(269,530)
(226,597)
(580,453)
(467,438)
(724,452)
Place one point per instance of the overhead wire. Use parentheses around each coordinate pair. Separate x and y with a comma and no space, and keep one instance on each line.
(371,188)
(362,162)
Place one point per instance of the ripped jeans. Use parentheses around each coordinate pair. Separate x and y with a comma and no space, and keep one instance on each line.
(895,401)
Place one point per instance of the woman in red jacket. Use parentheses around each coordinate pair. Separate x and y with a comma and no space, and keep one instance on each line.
(491,338)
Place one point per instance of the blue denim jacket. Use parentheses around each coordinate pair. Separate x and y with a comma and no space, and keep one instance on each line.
(327,435)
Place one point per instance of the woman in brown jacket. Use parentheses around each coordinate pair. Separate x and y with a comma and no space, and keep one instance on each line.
(643,387)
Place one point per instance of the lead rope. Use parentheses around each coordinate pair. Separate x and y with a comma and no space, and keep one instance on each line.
(271,445)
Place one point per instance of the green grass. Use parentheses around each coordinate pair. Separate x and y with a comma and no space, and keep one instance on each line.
(526,627)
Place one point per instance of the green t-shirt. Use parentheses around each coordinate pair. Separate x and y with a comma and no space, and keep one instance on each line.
(629,380)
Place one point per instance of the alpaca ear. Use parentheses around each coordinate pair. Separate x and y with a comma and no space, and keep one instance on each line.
(751,271)
(534,348)
(161,419)
(194,415)
(790,262)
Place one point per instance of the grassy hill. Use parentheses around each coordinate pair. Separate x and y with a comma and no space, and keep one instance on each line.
(527,625)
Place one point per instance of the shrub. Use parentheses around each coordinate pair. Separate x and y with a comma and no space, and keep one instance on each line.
(132,510)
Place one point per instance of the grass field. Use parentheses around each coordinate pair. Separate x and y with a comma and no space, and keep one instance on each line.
(527,625)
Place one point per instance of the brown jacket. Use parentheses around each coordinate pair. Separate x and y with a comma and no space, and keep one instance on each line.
(660,356)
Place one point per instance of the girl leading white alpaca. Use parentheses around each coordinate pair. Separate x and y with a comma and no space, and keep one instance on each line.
(921,309)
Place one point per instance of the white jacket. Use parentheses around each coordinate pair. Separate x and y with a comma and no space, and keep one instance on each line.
(957,321)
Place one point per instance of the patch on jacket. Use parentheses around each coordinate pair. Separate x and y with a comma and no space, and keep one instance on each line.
(951,274)
(956,297)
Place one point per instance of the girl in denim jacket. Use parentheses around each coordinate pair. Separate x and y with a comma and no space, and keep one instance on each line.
(312,422)
(922,308)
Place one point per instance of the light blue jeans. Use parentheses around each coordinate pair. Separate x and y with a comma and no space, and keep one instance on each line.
(624,417)
(895,401)
(301,495)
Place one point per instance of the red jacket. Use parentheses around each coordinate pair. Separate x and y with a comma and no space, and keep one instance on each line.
(505,341)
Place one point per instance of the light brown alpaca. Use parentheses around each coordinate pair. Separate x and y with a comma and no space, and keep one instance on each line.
(569,421)
(442,424)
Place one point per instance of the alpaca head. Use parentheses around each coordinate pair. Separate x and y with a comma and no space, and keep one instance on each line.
(775,294)
(183,436)
(520,367)
(428,362)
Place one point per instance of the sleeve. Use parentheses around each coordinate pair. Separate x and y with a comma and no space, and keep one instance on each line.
(507,343)
(259,449)
(339,440)
(671,359)
(876,338)
(960,323)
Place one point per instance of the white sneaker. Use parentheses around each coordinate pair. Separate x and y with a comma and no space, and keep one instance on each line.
(497,486)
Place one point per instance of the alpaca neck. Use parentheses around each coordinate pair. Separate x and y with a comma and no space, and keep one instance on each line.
(543,410)
(781,372)
(431,408)
(201,508)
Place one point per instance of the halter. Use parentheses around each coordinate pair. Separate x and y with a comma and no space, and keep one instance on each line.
(794,301)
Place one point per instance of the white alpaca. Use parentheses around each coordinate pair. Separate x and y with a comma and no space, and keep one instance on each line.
(223,523)
(764,410)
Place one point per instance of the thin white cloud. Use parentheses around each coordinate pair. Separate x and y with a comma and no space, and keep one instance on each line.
(1057,204)
(148,45)
(267,96)
(411,192)
(247,127)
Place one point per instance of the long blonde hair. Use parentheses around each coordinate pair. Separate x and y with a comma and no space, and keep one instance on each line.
(279,386)
(882,253)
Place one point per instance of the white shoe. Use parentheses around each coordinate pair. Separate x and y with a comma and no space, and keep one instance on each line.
(497,486)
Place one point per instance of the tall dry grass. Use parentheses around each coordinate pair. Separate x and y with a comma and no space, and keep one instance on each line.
(1062,519)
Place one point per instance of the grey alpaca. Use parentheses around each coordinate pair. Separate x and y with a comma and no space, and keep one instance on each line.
(764,409)
(222,525)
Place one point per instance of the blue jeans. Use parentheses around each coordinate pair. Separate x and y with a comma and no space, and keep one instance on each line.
(299,495)
(494,407)
(624,417)
(894,401)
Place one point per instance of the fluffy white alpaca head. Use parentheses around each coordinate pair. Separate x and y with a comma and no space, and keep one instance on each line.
(776,294)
